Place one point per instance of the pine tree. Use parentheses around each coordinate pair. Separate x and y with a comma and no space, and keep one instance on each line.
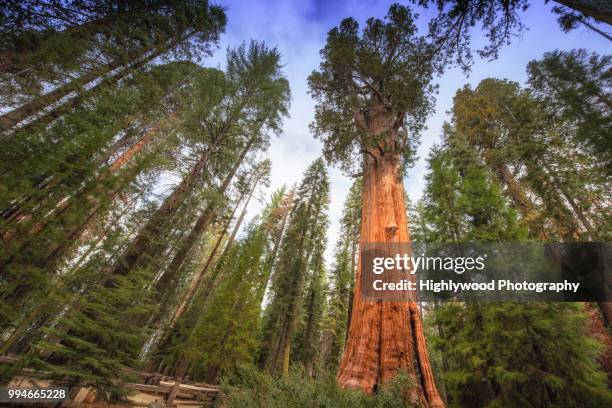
(530,151)
(258,174)
(505,353)
(534,154)
(573,87)
(59,189)
(253,90)
(299,260)
(121,35)
(215,339)
(342,279)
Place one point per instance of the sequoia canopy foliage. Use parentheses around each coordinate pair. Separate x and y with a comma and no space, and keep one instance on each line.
(386,71)
(138,232)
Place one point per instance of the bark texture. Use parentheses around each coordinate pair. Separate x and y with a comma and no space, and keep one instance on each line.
(385,337)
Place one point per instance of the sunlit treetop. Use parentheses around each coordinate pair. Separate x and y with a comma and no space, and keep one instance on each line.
(373,88)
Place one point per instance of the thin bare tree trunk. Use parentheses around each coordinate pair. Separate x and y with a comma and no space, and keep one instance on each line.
(197,281)
(201,224)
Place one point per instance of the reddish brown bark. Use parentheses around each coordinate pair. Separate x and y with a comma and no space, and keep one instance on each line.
(385,337)
(142,246)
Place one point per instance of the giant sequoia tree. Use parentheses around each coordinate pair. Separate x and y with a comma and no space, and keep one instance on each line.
(373,93)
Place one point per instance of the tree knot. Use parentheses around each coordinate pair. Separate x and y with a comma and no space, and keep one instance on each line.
(391,229)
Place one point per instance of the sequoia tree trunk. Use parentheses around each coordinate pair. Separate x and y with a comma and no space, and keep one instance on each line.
(385,337)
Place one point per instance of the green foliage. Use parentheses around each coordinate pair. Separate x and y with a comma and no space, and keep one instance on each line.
(464,204)
(251,388)
(372,85)
(519,355)
(299,266)
(532,151)
(99,337)
(61,39)
(501,354)
(574,87)
(231,338)
(64,176)
(342,279)
(230,321)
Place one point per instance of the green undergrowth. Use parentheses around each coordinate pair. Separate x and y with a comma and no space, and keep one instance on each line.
(249,387)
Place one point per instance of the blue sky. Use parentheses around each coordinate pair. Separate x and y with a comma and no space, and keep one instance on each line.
(299,28)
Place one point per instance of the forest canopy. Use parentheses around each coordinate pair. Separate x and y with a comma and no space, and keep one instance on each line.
(168,237)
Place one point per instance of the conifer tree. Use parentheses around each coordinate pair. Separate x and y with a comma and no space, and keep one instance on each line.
(573,87)
(224,339)
(59,189)
(342,279)
(116,35)
(210,335)
(514,135)
(373,92)
(252,92)
(535,154)
(505,353)
(300,258)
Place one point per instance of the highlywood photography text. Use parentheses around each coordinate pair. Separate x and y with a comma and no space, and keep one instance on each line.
(458,265)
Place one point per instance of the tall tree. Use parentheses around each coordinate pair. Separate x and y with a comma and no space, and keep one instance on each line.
(125,35)
(532,152)
(342,279)
(60,188)
(260,174)
(300,255)
(541,163)
(252,91)
(574,87)
(222,339)
(371,91)
(470,336)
